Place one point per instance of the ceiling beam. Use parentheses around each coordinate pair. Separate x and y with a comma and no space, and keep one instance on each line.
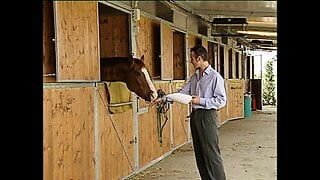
(237,13)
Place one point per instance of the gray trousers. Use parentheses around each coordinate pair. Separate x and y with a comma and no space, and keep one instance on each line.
(204,130)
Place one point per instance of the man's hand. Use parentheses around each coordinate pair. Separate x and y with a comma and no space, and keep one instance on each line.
(195,100)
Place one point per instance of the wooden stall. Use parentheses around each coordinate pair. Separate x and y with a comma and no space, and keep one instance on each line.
(77,40)
(166,51)
(235,99)
(192,41)
(180,121)
(68,133)
(149,146)
(74,55)
(116,139)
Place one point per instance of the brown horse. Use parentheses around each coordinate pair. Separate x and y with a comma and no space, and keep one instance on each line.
(132,71)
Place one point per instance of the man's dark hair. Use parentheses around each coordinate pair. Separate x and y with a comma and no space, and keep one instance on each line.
(200,51)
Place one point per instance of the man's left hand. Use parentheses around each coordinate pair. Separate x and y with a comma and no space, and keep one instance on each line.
(196,100)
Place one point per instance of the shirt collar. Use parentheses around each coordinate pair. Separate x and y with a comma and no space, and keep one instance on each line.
(206,72)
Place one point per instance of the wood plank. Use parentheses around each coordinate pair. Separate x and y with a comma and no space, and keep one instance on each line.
(148,44)
(72,145)
(205,43)
(77,41)
(166,51)
(192,40)
(48,163)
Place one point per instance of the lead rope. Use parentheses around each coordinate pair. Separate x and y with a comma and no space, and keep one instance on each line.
(162,109)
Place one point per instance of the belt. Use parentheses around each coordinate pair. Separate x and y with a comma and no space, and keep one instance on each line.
(198,109)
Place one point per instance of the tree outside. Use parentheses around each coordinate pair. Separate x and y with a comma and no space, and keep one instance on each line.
(269,94)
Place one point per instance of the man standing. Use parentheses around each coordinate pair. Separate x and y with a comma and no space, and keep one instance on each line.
(207,88)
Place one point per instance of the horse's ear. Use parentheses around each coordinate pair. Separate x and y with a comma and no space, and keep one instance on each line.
(142,58)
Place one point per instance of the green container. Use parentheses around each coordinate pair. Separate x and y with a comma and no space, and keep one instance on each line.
(247,106)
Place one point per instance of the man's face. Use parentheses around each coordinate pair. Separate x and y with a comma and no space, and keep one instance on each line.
(194,60)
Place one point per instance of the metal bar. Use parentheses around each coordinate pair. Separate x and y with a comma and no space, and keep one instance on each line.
(48,75)
(66,85)
(119,104)
(227,35)
(170,119)
(118,5)
(77,81)
(135,132)
(96,134)
(143,110)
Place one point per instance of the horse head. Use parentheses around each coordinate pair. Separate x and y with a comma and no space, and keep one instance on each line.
(139,81)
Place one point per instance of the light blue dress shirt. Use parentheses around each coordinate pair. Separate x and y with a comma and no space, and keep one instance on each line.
(209,87)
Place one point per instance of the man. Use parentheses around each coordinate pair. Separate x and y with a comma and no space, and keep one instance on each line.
(207,88)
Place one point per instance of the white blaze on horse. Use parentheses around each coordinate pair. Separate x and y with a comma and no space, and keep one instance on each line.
(133,72)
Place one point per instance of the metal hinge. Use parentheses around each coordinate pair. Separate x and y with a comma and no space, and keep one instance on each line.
(134,141)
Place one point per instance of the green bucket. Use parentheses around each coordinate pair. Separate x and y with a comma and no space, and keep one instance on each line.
(247,106)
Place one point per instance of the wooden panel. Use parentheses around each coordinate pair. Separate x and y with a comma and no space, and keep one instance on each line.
(69,133)
(114,160)
(77,42)
(191,43)
(49,59)
(166,52)
(179,118)
(114,32)
(178,56)
(149,146)
(235,99)
(148,44)
(205,43)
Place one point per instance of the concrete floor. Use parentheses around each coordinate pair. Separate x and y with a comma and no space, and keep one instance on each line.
(248,148)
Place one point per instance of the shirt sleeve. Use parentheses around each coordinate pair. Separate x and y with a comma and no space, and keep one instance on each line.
(186,88)
(219,98)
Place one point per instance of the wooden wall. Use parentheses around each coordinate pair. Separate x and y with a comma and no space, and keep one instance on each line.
(179,56)
(77,41)
(148,44)
(115,160)
(149,146)
(180,121)
(68,130)
(235,99)
(166,52)
(114,32)
(49,59)
(191,43)
(205,43)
